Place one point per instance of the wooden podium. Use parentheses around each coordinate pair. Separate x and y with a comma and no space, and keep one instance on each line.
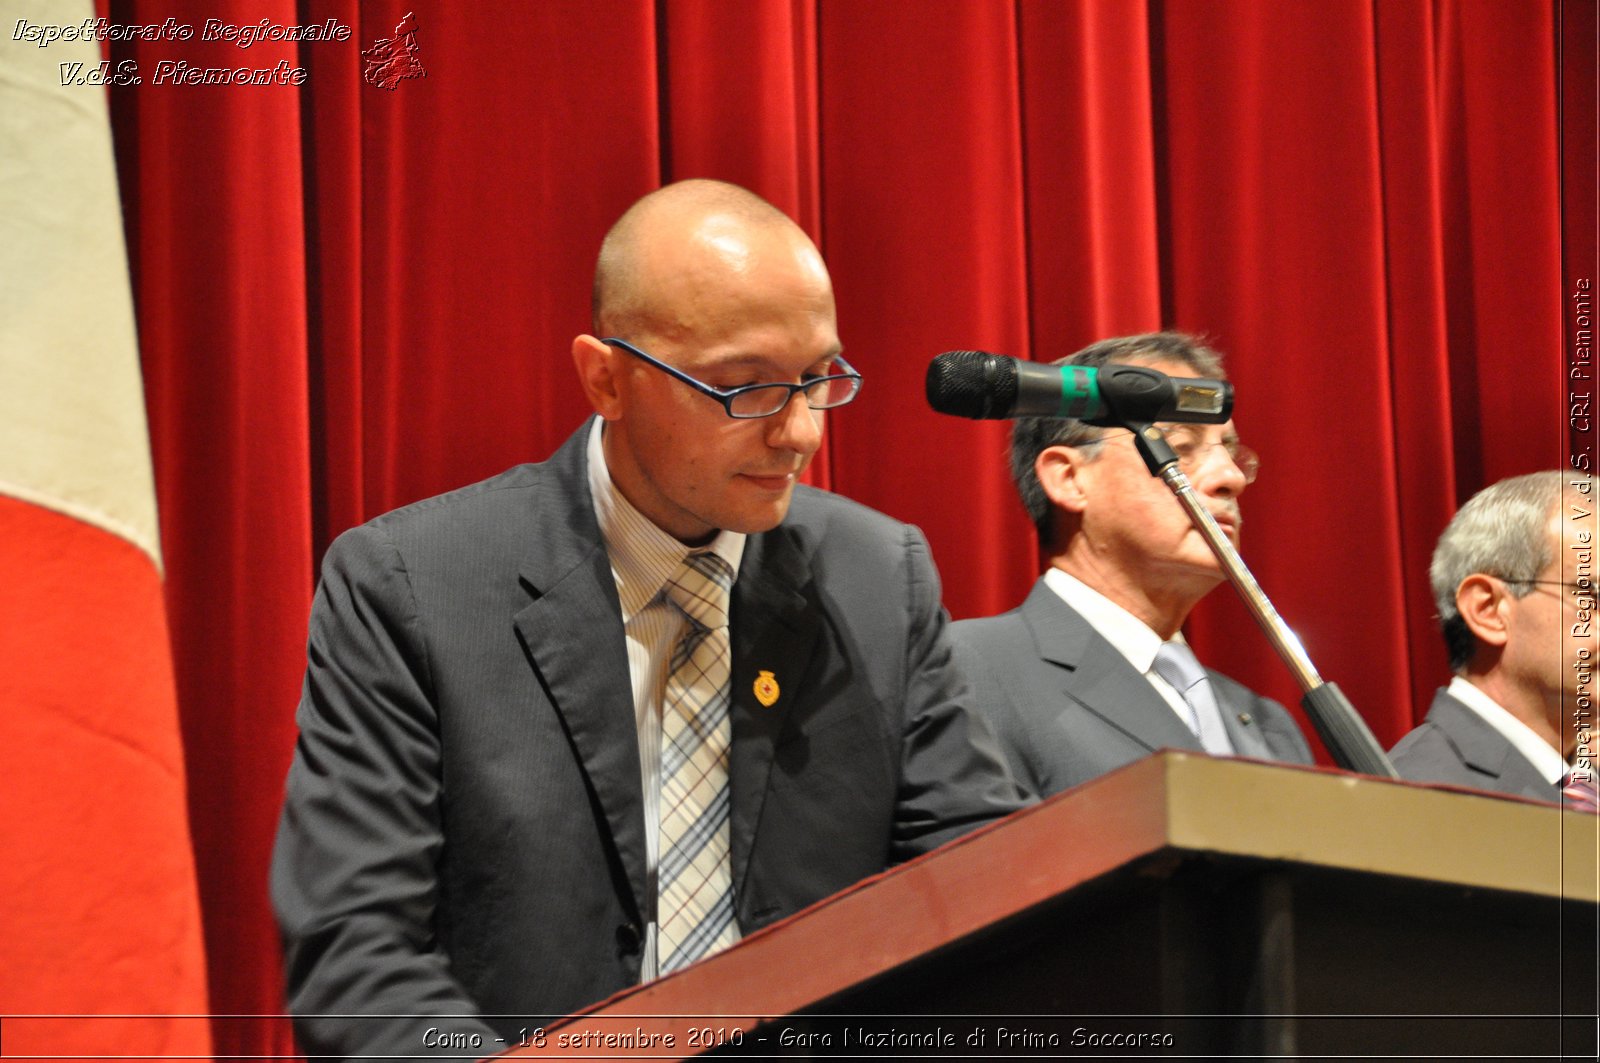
(1181,906)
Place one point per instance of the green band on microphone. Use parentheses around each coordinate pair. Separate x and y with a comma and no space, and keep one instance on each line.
(1080,391)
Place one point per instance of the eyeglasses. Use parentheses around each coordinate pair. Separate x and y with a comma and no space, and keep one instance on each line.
(1577,590)
(764,400)
(1189,443)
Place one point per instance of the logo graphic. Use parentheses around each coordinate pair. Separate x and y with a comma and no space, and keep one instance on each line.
(392,60)
(766,688)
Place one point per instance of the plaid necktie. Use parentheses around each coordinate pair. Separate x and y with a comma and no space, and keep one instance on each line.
(1578,792)
(695,910)
(1175,662)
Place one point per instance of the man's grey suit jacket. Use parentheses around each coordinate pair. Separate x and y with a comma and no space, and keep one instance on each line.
(1455,745)
(1067,707)
(464,830)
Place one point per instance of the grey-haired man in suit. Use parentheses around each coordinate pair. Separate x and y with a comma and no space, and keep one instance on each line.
(592,719)
(1513,580)
(1091,672)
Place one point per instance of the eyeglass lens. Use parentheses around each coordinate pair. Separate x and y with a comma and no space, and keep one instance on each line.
(1191,447)
(821,394)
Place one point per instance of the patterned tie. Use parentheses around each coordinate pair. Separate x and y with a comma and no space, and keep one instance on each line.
(695,911)
(1578,792)
(1175,662)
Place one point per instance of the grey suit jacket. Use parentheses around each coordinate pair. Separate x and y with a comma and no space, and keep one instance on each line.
(1454,745)
(1067,707)
(463,830)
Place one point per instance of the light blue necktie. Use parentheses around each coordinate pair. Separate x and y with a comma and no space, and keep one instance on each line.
(1175,662)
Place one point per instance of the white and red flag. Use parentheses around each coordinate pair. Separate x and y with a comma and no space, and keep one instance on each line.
(100,939)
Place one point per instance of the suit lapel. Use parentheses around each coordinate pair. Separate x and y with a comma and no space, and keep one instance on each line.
(775,628)
(572,631)
(1249,740)
(1487,751)
(1098,677)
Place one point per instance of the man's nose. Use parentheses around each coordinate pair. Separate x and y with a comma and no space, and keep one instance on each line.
(1219,474)
(796,427)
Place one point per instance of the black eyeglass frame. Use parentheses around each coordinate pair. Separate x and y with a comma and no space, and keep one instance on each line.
(726,396)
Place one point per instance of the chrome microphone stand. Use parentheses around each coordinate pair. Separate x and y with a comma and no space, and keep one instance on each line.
(1341,728)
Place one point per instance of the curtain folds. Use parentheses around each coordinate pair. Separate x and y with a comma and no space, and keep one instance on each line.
(352,297)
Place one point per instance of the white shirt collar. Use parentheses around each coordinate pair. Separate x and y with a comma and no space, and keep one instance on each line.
(1132,637)
(1545,759)
(643,556)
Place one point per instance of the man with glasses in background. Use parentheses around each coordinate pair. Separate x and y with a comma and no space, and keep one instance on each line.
(594,719)
(1092,672)
(1514,581)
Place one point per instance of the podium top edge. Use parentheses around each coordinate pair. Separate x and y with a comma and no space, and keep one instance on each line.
(1337,819)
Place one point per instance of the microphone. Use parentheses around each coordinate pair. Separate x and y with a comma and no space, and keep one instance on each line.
(988,386)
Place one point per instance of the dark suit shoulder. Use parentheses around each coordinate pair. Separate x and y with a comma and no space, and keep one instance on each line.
(447,541)
(992,647)
(999,654)
(1431,753)
(1426,754)
(480,502)
(815,513)
(986,629)
(492,518)
(843,542)
(1452,745)
(488,526)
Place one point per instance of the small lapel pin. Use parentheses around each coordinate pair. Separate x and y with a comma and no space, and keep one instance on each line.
(766,689)
(1244,718)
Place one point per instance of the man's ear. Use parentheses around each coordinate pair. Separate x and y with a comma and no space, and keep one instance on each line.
(1482,602)
(599,375)
(1060,472)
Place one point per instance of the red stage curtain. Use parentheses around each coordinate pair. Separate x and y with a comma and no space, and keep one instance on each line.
(214,203)
(353,297)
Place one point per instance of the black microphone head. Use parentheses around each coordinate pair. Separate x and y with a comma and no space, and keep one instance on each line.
(972,384)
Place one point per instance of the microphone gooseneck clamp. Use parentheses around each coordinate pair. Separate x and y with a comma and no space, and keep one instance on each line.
(1341,728)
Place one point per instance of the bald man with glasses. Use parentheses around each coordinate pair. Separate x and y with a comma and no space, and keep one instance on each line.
(1091,671)
(594,719)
